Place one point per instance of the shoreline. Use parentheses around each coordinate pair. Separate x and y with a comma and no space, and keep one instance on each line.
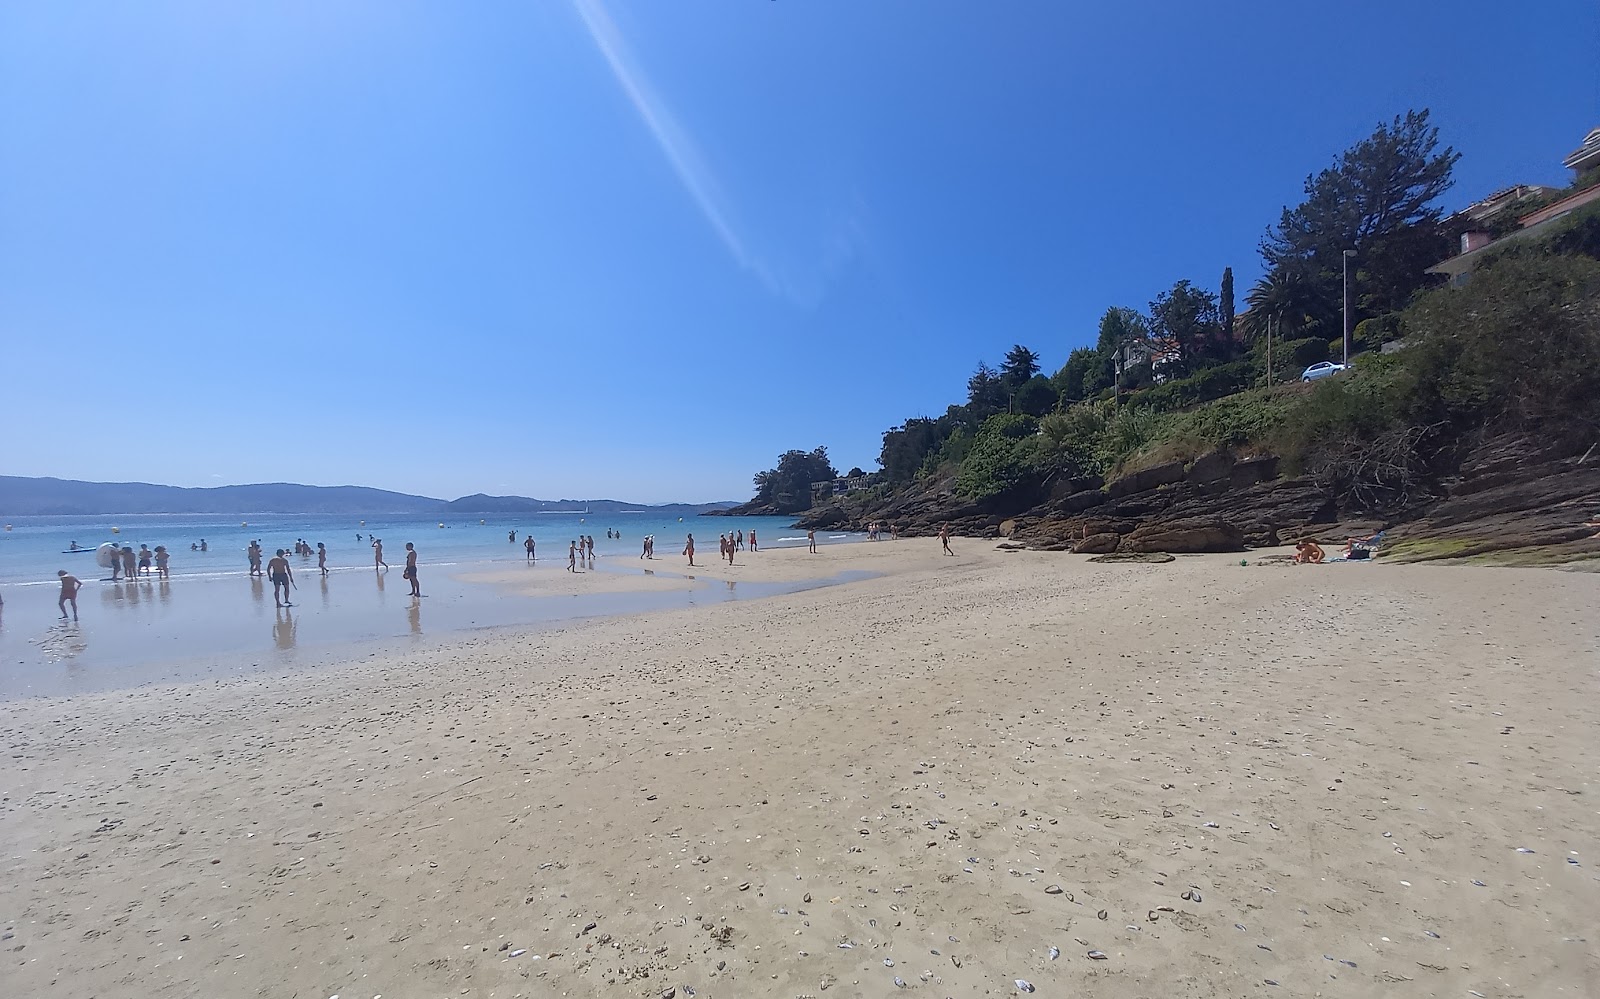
(907,764)
(202,627)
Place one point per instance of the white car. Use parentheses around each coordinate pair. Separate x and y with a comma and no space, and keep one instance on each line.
(1322,369)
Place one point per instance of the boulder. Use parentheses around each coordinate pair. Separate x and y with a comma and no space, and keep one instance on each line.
(1098,544)
(1185,536)
(1008,527)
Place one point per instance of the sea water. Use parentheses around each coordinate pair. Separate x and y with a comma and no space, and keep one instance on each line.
(211,619)
(33,548)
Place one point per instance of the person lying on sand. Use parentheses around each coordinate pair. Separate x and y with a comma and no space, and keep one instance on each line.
(1308,551)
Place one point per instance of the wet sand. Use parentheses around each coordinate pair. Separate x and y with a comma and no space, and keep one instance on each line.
(1214,776)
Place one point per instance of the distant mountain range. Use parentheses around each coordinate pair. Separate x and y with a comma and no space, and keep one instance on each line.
(24,496)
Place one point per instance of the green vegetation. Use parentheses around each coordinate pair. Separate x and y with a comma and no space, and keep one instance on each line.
(1517,348)
(787,488)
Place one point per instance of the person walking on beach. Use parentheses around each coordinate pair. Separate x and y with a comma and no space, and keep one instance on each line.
(161,561)
(411,570)
(944,538)
(253,556)
(282,578)
(644,547)
(739,543)
(322,558)
(811,541)
(70,585)
(688,549)
(527,547)
(377,555)
(753,546)
(572,556)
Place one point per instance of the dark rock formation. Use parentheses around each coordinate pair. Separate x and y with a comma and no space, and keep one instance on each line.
(1185,536)
(1513,499)
(1098,544)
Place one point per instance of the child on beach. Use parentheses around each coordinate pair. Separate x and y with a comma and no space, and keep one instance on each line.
(322,558)
(70,585)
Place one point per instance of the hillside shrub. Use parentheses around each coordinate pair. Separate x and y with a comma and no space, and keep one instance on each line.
(1004,457)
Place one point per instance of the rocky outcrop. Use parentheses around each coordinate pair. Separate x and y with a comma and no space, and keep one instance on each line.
(1184,537)
(1099,544)
(1513,499)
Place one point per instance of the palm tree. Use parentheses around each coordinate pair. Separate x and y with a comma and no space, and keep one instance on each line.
(1287,298)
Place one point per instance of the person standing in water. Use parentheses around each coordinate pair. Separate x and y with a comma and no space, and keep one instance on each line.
(145,556)
(527,547)
(512,537)
(377,555)
(129,563)
(282,578)
(202,544)
(811,541)
(322,558)
(753,546)
(70,585)
(944,538)
(688,549)
(411,570)
(161,561)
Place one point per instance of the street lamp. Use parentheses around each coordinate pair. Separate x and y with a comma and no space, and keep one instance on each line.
(1345,259)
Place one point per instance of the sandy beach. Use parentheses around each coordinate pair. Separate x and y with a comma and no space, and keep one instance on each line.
(1198,779)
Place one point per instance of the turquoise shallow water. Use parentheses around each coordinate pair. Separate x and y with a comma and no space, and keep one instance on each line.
(31,550)
(212,619)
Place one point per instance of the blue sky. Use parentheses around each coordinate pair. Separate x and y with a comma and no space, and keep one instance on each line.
(636,249)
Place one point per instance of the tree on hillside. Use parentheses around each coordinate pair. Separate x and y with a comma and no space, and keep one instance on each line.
(1225,317)
(1020,365)
(1378,198)
(788,487)
(986,393)
(1286,297)
(1069,381)
(1036,397)
(1123,343)
(1184,327)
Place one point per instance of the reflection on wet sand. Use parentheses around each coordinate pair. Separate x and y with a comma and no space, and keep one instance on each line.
(257,590)
(414,615)
(283,628)
(164,589)
(324,592)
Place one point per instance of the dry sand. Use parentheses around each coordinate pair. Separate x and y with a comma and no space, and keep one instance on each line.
(1269,781)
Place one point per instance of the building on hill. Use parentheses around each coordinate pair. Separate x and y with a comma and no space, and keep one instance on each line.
(1479,215)
(1586,157)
